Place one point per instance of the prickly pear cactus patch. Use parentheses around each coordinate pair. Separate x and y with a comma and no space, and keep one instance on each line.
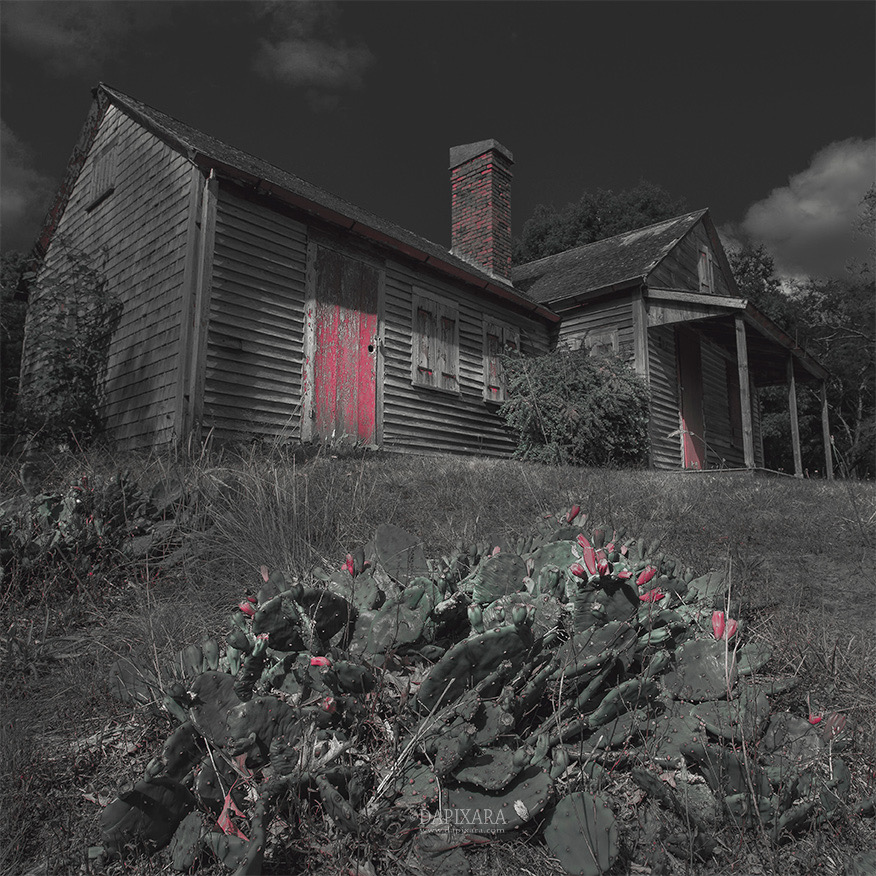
(521,686)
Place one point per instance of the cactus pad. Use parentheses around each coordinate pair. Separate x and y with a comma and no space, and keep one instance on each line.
(581,832)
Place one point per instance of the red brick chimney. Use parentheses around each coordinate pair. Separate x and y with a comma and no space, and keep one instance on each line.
(480,179)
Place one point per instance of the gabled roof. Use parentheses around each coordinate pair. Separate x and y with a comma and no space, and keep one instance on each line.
(615,261)
(208,152)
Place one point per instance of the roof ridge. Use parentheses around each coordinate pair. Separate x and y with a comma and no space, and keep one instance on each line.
(694,213)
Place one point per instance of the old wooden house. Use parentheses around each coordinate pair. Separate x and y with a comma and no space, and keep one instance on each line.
(254,304)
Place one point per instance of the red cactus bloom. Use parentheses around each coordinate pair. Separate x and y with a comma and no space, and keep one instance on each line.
(652,596)
(603,567)
(610,547)
(572,513)
(348,565)
(718,624)
(624,550)
(578,570)
(496,550)
(246,608)
(815,719)
(646,575)
(624,574)
(583,541)
(320,661)
(329,704)
(253,599)
(730,629)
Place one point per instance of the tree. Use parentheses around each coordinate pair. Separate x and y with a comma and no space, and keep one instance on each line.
(13,271)
(596,215)
(833,320)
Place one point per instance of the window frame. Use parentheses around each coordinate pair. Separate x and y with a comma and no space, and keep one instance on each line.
(593,341)
(439,360)
(509,336)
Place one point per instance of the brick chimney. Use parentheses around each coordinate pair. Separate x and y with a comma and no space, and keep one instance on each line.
(480,179)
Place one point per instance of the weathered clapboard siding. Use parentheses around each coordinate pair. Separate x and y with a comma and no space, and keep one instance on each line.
(723,449)
(612,313)
(136,237)
(679,269)
(421,419)
(666,449)
(256,330)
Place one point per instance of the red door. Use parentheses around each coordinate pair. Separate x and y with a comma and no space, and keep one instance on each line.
(690,380)
(345,376)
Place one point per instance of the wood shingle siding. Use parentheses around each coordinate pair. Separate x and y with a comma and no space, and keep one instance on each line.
(255,341)
(680,268)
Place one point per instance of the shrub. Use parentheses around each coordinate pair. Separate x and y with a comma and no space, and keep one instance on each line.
(77,317)
(567,408)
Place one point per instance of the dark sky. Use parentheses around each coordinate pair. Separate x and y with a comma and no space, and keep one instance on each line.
(762,111)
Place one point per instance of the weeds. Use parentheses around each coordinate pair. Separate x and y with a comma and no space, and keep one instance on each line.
(801,556)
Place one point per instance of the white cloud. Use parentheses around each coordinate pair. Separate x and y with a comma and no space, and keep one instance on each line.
(809,225)
(25,192)
(75,36)
(304,50)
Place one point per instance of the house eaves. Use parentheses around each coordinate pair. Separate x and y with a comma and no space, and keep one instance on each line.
(209,153)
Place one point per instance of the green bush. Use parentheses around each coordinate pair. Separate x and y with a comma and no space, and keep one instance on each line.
(566,407)
(77,315)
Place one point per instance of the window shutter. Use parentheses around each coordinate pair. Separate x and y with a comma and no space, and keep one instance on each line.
(425,343)
(448,345)
(705,271)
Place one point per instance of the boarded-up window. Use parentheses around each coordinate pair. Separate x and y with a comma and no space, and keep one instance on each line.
(499,340)
(602,343)
(103,175)
(706,270)
(435,344)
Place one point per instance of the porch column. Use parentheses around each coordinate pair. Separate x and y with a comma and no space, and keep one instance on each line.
(795,423)
(825,431)
(744,393)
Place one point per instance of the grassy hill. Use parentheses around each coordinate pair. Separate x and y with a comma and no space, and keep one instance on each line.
(799,556)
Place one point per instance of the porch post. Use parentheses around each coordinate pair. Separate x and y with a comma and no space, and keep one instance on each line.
(825,431)
(640,353)
(744,393)
(795,423)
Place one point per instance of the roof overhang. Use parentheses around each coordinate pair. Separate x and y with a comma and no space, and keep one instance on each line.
(314,208)
(769,347)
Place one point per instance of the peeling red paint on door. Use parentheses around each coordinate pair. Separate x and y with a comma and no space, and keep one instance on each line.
(690,378)
(345,361)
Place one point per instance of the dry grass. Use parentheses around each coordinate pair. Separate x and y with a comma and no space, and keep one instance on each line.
(800,555)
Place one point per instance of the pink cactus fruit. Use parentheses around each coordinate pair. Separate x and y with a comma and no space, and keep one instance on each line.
(246,608)
(624,574)
(496,550)
(652,595)
(718,624)
(578,570)
(320,661)
(264,573)
(572,513)
(329,704)
(646,575)
(730,628)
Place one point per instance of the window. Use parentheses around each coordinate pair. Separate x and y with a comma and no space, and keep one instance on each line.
(602,343)
(435,347)
(498,340)
(103,175)
(706,270)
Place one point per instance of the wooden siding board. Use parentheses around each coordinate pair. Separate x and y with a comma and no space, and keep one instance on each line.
(258,293)
(421,419)
(137,234)
(664,422)
(679,269)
